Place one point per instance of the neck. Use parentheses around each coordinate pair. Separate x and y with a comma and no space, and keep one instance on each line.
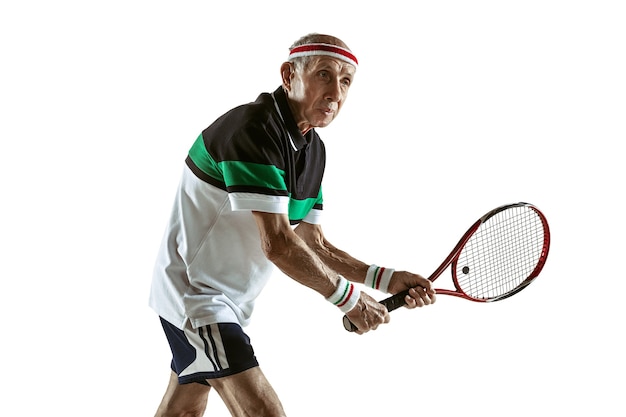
(304,126)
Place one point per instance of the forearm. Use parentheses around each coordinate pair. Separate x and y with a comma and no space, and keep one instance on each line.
(336,259)
(292,255)
(302,264)
(341,262)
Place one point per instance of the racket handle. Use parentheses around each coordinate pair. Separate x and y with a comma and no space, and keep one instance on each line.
(391,303)
(395,301)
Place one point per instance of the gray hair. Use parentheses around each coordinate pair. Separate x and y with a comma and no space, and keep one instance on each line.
(301,62)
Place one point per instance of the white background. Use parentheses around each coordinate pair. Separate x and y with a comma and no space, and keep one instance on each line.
(458,106)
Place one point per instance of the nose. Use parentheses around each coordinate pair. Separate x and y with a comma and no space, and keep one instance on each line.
(334,93)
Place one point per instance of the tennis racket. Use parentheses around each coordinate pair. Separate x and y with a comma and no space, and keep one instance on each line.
(496,258)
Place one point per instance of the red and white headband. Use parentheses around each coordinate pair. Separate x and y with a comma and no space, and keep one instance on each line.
(313,49)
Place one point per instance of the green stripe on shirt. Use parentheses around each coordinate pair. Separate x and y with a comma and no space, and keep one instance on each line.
(237,173)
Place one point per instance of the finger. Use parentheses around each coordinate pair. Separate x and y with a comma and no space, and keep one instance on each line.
(360,330)
(411,301)
(428,295)
(386,317)
(377,315)
(420,295)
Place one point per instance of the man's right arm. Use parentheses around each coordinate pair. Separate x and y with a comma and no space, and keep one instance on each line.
(296,259)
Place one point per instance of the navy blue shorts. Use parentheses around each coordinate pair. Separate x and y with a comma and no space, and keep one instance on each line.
(208,352)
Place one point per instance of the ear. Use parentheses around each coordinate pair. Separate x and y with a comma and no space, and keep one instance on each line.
(286,72)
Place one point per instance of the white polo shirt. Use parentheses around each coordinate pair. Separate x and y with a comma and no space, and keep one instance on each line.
(210,267)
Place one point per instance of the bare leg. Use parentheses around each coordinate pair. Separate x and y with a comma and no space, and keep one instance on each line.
(249,394)
(188,400)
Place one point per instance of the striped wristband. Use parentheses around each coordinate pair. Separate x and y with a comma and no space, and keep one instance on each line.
(345,296)
(378,278)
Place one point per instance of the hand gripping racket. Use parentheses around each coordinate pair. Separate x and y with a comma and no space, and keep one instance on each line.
(496,258)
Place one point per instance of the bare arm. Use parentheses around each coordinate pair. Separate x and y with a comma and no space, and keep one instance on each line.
(355,270)
(315,268)
(340,261)
(292,255)
(307,257)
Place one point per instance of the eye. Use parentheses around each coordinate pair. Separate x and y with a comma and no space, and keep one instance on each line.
(323,74)
(346,82)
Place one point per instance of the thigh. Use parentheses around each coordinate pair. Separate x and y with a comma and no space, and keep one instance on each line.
(186,399)
(248,393)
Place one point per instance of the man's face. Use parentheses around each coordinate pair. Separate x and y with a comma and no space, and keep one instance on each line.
(318,91)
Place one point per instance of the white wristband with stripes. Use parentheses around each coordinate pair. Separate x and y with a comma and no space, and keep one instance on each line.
(345,296)
(378,278)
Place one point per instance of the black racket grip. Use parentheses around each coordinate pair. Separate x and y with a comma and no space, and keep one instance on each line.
(395,301)
(391,303)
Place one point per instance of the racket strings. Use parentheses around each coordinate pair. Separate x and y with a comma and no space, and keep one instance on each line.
(501,254)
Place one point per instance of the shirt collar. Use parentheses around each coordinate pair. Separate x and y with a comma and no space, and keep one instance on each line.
(298,141)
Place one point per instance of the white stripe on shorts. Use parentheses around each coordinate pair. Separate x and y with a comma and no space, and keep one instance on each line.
(210,353)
